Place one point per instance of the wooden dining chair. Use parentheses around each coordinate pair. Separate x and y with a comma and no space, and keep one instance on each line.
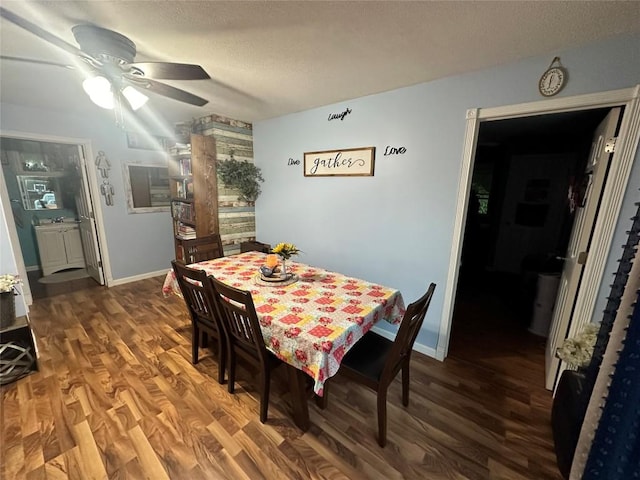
(374,361)
(202,248)
(244,338)
(255,246)
(199,297)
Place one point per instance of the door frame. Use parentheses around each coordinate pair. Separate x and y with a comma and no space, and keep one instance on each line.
(611,205)
(14,240)
(94,191)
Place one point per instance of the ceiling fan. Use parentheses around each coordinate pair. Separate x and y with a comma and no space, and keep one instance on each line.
(107,59)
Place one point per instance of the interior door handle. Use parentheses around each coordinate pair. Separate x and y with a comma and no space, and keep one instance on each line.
(581,260)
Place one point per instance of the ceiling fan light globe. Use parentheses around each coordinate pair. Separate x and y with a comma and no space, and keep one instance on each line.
(103,100)
(95,85)
(99,90)
(135,97)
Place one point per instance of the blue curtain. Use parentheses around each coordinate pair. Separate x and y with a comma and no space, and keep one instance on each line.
(611,311)
(615,451)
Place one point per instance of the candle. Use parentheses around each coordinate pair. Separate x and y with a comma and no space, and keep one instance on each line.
(272,260)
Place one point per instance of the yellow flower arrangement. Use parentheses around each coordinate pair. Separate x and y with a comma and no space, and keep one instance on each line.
(577,351)
(285,250)
(9,282)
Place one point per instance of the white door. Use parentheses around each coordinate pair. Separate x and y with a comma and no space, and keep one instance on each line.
(88,232)
(577,250)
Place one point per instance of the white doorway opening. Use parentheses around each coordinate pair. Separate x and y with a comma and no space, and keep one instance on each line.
(611,199)
(86,200)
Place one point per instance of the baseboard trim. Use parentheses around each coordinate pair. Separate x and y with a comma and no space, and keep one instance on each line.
(32,268)
(143,276)
(418,347)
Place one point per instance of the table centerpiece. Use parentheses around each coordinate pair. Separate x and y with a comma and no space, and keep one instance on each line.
(285,251)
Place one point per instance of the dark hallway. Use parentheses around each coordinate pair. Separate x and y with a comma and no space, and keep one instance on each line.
(518,224)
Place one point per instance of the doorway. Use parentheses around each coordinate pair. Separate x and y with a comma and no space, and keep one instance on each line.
(48,206)
(518,223)
(611,201)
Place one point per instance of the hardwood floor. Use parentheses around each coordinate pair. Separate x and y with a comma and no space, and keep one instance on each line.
(117,397)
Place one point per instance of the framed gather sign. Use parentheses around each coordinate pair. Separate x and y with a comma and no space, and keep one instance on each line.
(340,163)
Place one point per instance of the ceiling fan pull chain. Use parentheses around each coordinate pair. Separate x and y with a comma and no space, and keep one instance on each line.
(118,110)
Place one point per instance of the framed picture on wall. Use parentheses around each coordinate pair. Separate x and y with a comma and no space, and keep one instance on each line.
(356,162)
(144,141)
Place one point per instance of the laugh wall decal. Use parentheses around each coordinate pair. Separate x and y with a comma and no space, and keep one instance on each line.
(339,116)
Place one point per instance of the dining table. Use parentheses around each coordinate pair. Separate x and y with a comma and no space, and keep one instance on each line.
(309,319)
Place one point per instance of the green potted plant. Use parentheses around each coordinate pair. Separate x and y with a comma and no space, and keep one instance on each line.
(242,176)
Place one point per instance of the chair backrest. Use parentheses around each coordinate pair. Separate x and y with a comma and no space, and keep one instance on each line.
(255,246)
(202,248)
(406,337)
(198,295)
(239,320)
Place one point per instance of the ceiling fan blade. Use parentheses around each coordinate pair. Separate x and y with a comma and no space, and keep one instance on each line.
(40,32)
(165,90)
(37,62)
(171,71)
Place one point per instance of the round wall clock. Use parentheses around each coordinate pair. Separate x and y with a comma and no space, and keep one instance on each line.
(553,80)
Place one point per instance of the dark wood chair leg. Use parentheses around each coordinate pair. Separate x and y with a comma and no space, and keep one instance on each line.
(195,340)
(205,340)
(221,360)
(264,395)
(405,383)
(232,370)
(382,417)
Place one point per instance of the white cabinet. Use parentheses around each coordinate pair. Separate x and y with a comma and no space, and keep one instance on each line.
(60,247)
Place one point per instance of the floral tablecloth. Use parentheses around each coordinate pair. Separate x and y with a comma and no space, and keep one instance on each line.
(313,322)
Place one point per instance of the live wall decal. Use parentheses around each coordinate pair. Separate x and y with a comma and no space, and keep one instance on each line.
(357,162)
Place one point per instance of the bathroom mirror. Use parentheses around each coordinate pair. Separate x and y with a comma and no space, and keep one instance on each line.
(147,188)
(40,192)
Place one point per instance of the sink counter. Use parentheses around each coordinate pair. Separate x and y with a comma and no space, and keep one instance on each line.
(54,226)
(60,246)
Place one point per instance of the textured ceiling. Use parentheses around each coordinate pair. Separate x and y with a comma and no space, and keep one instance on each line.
(272,58)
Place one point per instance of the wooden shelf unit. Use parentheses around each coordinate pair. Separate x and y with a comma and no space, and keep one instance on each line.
(193,183)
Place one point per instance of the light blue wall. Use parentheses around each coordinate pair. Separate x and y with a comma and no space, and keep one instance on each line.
(396,228)
(136,243)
